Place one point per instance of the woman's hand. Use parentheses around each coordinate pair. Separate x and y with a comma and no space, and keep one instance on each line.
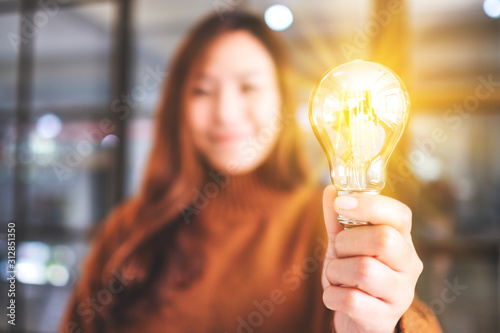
(370,272)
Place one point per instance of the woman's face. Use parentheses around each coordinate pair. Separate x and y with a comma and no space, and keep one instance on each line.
(232,103)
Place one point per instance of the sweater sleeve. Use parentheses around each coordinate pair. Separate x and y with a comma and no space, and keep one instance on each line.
(84,309)
(81,316)
(419,318)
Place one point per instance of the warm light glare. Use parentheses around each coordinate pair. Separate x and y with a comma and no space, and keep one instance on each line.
(492,8)
(303,118)
(278,17)
(430,170)
(358,112)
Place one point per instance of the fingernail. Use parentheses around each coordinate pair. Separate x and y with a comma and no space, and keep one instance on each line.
(346,202)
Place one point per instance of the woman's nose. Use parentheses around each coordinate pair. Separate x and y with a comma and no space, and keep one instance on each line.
(230,105)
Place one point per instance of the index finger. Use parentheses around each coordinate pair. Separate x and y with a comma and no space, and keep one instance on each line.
(376,209)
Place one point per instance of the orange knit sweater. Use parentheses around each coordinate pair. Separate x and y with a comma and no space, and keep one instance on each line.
(261,252)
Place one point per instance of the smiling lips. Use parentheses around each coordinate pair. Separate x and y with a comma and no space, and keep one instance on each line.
(228,138)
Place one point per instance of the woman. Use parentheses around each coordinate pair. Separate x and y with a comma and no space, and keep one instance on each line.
(226,234)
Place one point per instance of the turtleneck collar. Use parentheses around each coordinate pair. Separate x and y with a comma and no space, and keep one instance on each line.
(223,194)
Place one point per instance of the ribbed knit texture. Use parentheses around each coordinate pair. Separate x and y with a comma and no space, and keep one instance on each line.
(261,251)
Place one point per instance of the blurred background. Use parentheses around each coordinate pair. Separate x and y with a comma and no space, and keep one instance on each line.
(79,81)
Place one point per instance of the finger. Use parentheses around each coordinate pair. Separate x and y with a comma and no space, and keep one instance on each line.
(365,274)
(332,226)
(379,241)
(359,306)
(332,229)
(376,209)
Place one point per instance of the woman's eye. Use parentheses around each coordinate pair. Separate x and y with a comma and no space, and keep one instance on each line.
(246,88)
(200,92)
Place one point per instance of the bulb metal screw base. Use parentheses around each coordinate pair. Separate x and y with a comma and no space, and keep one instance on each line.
(348,223)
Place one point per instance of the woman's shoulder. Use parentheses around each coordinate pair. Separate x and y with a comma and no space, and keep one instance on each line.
(112,232)
(306,202)
(311,193)
(118,222)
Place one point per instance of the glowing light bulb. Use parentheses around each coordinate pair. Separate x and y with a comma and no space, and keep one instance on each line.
(358,112)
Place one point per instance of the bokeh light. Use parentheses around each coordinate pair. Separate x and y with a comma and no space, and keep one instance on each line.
(278,17)
(64,255)
(40,264)
(492,8)
(48,126)
(430,170)
(34,251)
(57,275)
(31,272)
(109,141)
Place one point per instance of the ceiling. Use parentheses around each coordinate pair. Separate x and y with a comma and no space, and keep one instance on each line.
(451,41)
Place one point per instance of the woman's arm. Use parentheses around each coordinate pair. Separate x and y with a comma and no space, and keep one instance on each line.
(91,298)
(369,274)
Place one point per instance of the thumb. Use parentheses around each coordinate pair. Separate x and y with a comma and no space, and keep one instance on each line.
(333,227)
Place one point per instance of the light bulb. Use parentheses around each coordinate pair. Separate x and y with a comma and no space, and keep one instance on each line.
(358,112)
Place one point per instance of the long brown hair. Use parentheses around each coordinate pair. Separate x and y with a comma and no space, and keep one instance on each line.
(174,168)
(173,144)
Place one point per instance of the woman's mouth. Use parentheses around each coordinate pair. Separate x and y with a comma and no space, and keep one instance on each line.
(228,138)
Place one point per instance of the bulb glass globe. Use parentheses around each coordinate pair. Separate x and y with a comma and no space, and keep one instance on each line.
(358,112)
